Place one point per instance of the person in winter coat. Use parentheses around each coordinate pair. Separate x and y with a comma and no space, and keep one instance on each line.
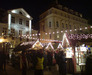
(61,63)
(39,63)
(23,63)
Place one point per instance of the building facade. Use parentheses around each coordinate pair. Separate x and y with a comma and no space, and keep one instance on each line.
(18,28)
(57,20)
(19,22)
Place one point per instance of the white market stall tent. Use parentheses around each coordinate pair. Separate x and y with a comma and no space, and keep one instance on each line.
(49,46)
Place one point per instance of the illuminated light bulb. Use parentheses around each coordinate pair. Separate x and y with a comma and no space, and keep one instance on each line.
(75,29)
(70,30)
(90,26)
(39,34)
(85,27)
(61,31)
(57,32)
(36,34)
(33,34)
(53,32)
(49,33)
(80,28)
(46,33)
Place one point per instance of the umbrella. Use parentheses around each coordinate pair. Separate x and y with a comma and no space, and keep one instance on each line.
(21,47)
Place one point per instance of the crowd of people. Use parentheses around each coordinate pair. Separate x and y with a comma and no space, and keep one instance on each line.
(43,59)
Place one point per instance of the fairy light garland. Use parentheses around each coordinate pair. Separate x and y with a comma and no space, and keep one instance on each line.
(79,36)
(72,36)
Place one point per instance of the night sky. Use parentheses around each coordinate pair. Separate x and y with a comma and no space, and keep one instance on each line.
(36,7)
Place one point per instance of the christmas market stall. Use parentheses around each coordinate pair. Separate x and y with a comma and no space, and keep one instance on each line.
(37,45)
(49,47)
(17,52)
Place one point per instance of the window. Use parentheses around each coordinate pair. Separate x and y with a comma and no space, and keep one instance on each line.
(70,26)
(57,24)
(49,24)
(62,25)
(20,32)
(66,26)
(20,21)
(13,31)
(27,23)
(57,35)
(13,19)
(4,31)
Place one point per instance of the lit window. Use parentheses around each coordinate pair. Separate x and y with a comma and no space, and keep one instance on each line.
(20,21)
(57,35)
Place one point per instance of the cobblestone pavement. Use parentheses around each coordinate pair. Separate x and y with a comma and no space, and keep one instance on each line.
(12,71)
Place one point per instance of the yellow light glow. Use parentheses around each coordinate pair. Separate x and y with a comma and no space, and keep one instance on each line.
(1,40)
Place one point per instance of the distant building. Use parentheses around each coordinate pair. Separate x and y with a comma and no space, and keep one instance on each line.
(19,22)
(17,27)
(59,19)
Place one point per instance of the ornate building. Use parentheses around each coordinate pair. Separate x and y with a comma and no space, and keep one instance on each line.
(59,19)
(18,27)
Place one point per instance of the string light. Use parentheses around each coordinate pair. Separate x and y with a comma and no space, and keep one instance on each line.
(60,46)
(70,30)
(90,26)
(57,31)
(75,29)
(80,28)
(61,31)
(85,27)
(49,44)
(53,32)
(79,36)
